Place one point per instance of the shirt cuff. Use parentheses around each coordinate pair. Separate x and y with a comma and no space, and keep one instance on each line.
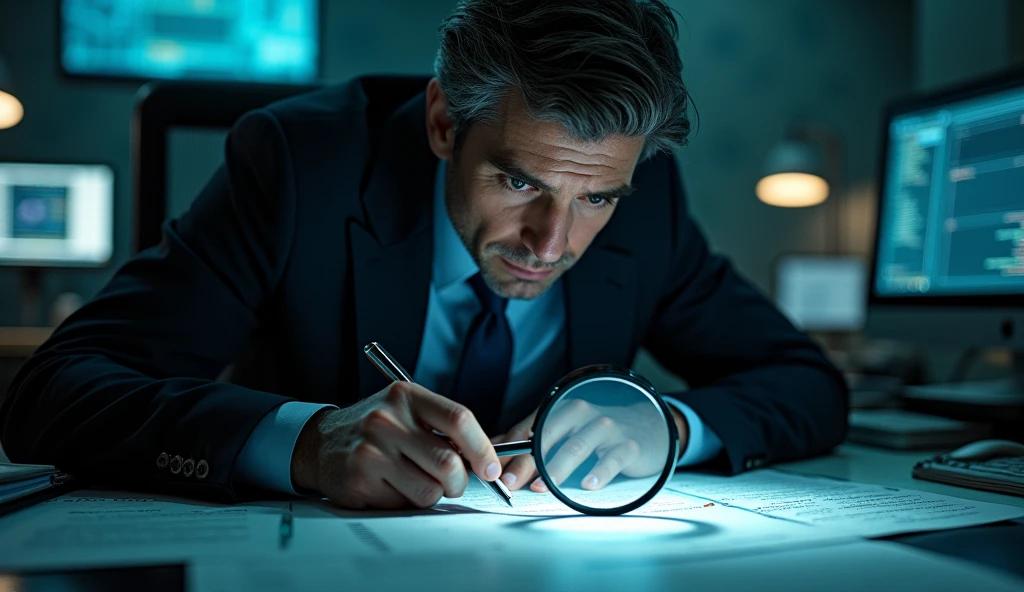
(703,443)
(266,458)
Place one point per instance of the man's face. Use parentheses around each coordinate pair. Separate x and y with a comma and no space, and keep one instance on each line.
(527,199)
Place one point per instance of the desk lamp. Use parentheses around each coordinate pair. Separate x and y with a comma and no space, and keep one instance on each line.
(11,110)
(797,171)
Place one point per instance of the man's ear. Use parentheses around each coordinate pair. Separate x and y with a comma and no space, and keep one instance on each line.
(440,127)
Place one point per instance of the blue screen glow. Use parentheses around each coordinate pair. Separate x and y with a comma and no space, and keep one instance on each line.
(241,40)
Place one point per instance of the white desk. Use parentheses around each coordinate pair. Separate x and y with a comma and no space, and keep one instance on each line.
(866,464)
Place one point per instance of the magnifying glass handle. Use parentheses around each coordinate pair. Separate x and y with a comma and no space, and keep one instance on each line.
(514,448)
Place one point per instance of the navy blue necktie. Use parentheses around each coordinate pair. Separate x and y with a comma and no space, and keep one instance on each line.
(484,369)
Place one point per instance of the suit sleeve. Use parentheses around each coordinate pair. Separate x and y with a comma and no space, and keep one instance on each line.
(762,386)
(124,392)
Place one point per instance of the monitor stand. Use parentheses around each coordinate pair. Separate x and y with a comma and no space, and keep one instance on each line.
(986,401)
(31,296)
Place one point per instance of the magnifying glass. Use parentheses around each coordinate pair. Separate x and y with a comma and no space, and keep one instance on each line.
(604,441)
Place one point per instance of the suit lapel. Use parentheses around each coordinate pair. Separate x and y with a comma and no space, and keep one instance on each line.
(393,252)
(391,289)
(599,296)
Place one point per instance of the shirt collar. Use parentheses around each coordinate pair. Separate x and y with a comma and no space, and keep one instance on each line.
(452,262)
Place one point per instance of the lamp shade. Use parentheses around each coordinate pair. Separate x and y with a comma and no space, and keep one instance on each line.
(793,176)
(11,110)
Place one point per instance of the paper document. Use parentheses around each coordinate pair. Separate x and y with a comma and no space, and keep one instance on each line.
(17,481)
(90,528)
(854,509)
(671,526)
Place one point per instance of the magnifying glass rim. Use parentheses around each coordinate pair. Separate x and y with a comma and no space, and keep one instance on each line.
(606,371)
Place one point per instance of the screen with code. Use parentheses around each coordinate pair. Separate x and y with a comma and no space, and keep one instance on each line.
(952,210)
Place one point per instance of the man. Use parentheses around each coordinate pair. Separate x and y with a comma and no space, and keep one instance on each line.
(514,218)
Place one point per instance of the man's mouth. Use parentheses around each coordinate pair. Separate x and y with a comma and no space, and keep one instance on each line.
(526,273)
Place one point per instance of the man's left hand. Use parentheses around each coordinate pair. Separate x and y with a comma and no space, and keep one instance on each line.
(622,446)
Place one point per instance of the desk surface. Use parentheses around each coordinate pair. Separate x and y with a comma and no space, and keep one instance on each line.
(866,464)
(20,342)
(877,565)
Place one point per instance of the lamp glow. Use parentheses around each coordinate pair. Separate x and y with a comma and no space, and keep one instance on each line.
(792,190)
(11,110)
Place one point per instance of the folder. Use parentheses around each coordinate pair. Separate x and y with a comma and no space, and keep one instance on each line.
(22,485)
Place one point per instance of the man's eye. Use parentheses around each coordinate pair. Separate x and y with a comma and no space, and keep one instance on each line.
(517,184)
(598,202)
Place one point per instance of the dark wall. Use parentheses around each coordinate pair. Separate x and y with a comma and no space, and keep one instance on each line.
(754,67)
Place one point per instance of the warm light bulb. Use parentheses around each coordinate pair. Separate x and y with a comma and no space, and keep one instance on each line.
(792,190)
(11,110)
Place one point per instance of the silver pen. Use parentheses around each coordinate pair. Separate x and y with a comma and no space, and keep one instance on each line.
(393,370)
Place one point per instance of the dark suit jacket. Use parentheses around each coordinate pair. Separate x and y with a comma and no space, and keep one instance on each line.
(314,239)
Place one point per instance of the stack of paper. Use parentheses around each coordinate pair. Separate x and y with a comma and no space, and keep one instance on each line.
(18,481)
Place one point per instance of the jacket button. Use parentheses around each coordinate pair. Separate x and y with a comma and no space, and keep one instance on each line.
(176,464)
(188,467)
(749,464)
(162,460)
(202,469)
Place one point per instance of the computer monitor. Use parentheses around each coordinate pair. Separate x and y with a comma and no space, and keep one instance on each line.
(949,258)
(243,40)
(821,292)
(56,214)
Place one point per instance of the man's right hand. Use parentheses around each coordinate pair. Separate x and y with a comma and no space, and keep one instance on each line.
(383,453)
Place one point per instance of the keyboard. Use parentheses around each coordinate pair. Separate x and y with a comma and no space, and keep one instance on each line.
(1002,475)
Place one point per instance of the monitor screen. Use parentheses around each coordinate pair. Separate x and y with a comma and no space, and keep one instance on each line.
(56,214)
(952,210)
(231,40)
(820,293)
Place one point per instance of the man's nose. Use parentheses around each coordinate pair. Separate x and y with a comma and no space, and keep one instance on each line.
(546,230)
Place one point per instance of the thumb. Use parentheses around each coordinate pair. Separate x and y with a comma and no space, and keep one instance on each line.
(522,430)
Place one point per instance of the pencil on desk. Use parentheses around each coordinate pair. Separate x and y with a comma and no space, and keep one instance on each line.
(287,528)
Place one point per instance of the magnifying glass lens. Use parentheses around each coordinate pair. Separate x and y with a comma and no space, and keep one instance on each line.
(605,443)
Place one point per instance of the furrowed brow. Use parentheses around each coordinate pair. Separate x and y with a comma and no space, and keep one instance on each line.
(614,193)
(514,170)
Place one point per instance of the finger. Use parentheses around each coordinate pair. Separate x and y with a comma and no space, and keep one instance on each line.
(459,424)
(524,429)
(578,448)
(539,486)
(386,497)
(519,472)
(394,432)
(569,417)
(611,464)
(358,484)
(419,488)
(436,457)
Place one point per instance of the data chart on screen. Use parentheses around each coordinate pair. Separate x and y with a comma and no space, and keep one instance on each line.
(56,214)
(232,40)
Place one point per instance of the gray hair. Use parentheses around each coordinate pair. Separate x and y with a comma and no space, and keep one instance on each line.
(597,67)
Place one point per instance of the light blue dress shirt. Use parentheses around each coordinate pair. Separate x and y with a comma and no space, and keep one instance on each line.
(538,330)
